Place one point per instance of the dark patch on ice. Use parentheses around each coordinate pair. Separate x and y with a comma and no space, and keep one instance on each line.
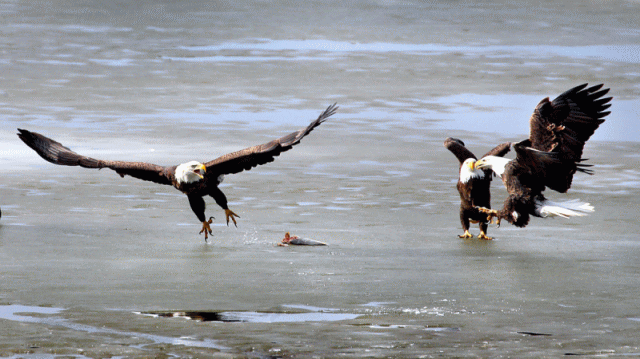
(255,317)
(20,313)
(534,334)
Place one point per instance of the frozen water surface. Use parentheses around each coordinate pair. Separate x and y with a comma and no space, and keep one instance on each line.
(83,252)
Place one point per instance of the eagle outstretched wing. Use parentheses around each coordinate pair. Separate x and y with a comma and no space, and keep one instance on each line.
(58,154)
(566,123)
(258,155)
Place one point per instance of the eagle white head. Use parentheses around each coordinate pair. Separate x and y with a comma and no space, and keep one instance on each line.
(190,172)
(469,170)
(495,163)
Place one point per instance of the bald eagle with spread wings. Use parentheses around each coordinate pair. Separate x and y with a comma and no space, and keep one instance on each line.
(550,156)
(195,179)
(473,185)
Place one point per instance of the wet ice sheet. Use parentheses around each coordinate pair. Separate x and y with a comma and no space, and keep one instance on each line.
(506,114)
(321,315)
(395,265)
(19,313)
(622,53)
(141,81)
(44,356)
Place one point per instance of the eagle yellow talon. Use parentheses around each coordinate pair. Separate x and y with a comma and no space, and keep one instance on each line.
(484,236)
(490,214)
(229,214)
(206,228)
(466,235)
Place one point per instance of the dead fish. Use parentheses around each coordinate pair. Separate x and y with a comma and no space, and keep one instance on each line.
(295,240)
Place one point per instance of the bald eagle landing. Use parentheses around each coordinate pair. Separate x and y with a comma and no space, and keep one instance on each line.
(550,156)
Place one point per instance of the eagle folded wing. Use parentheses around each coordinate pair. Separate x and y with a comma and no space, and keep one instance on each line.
(546,169)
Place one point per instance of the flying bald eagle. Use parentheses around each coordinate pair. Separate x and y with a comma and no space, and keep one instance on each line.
(193,178)
(473,185)
(550,156)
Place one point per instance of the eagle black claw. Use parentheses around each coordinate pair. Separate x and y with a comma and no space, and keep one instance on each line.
(230,214)
(206,228)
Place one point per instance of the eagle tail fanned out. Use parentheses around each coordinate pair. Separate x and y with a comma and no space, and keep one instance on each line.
(572,208)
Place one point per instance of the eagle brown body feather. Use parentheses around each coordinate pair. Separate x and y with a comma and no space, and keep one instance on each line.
(231,163)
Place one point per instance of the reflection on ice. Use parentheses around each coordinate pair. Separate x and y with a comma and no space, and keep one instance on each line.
(255,317)
(12,312)
(9,312)
(311,314)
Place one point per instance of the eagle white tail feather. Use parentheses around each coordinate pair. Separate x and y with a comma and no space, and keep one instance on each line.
(573,208)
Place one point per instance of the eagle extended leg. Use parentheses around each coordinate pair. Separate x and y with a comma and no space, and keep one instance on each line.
(221,200)
(465,225)
(491,213)
(198,206)
(483,232)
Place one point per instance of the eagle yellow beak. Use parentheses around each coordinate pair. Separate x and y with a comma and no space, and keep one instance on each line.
(472,165)
(200,168)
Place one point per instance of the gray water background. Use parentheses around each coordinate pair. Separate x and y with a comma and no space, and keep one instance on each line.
(95,257)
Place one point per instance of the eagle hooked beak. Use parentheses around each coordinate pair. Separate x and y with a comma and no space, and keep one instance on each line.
(473,165)
(479,164)
(200,170)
